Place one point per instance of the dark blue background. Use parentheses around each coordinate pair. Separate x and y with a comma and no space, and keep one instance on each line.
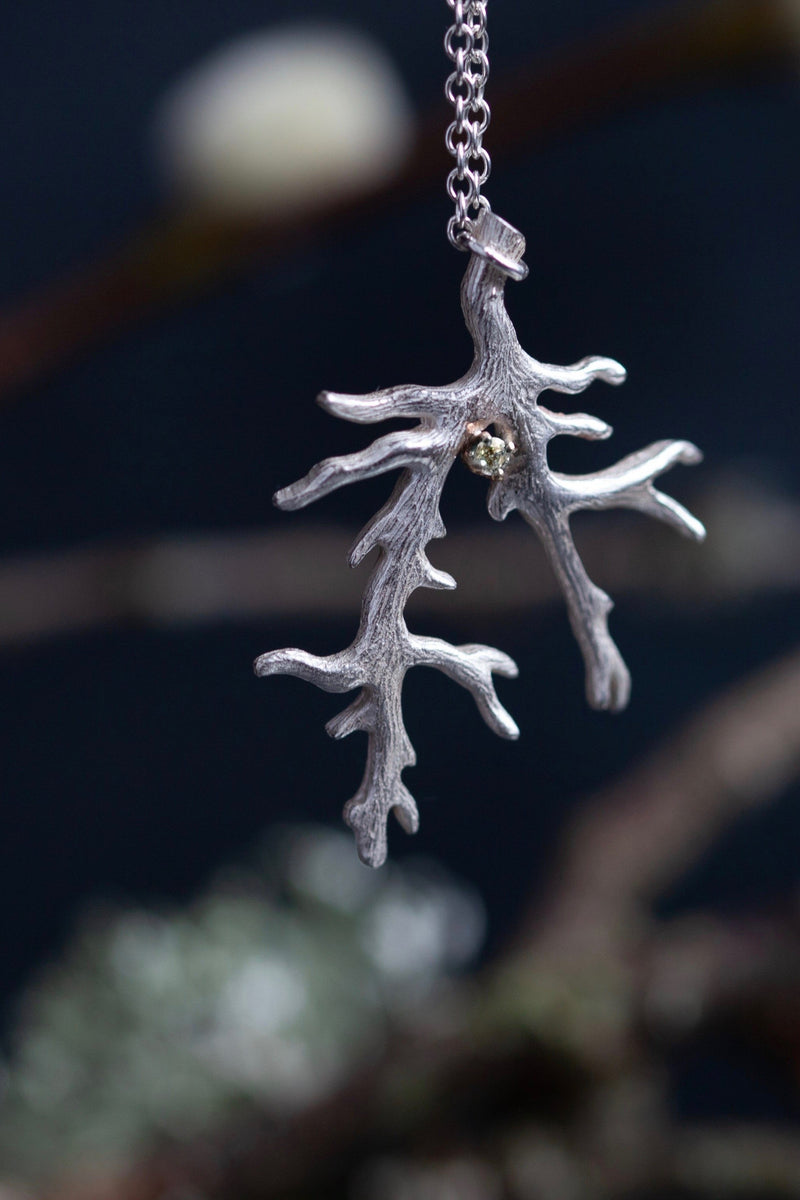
(133,761)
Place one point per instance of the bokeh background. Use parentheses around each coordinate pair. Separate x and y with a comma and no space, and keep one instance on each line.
(582,977)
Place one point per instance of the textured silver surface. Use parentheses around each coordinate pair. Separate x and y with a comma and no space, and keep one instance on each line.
(501,389)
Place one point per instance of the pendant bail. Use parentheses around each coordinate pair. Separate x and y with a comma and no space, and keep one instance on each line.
(495,240)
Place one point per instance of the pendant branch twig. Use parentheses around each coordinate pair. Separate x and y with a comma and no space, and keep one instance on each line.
(501,389)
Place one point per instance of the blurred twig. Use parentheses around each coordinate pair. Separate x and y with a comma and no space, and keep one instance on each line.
(197,578)
(186,251)
(634,839)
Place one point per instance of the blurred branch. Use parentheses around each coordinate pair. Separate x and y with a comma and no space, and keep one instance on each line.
(240,576)
(635,838)
(738,1161)
(183,252)
(701,968)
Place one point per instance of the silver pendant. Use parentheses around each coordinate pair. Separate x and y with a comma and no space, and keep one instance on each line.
(500,390)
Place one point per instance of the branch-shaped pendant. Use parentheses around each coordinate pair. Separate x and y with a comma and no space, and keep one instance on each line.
(501,389)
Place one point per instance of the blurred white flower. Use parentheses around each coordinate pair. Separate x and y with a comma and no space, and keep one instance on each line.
(262,996)
(325,869)
(285,119)
(418,928)
(264,991)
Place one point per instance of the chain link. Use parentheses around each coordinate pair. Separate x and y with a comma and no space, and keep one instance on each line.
(467,45)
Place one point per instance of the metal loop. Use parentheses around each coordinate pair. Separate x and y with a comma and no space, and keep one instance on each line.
(509,266)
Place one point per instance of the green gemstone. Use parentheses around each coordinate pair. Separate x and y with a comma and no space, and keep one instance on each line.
(488,456)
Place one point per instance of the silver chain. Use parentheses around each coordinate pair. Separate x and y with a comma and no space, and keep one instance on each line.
(467,45)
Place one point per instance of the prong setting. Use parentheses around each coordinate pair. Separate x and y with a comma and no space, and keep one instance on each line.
(488,455)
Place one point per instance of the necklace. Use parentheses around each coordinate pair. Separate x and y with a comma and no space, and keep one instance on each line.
(492,419)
